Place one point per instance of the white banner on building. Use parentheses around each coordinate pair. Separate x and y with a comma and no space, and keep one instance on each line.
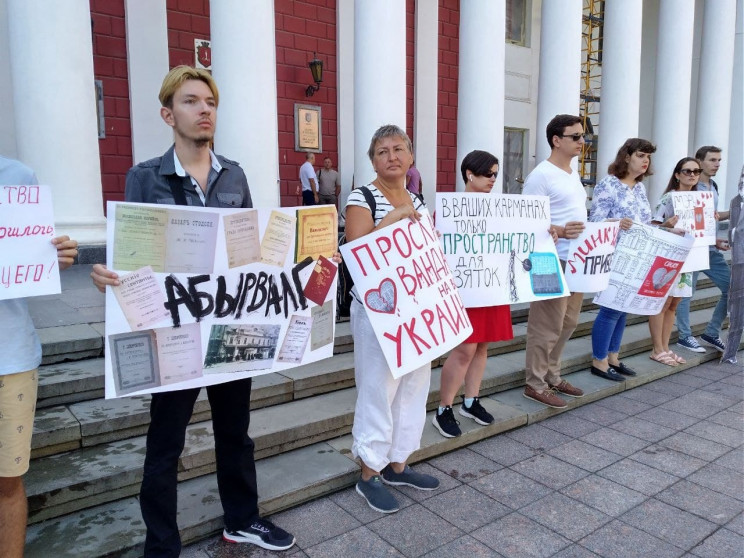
(29,259)
(402,279)
(590,257)
(499,248)
(212,295)
(646,262)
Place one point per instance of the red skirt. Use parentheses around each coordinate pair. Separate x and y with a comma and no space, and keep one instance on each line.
(490,323)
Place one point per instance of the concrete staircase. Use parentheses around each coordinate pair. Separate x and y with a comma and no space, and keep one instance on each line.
(88,452)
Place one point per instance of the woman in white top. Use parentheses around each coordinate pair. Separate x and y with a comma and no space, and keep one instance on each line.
(390,413)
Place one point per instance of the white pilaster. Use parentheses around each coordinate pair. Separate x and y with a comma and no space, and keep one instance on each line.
(425,106)
(51,61)
(345,95)
(671,117)
(480,89)
(7,124)
(621,78)
(736,132)
(558,85)
(714,89)
(379,75)
(147,64)
(244,67)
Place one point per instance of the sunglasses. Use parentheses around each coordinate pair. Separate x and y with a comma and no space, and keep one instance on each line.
(691,172)
(575,137)
(491,174)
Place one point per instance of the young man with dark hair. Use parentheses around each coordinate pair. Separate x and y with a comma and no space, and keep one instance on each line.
(709,157)
(189,173)
(551,322)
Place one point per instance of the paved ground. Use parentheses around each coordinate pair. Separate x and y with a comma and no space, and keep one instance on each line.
(654,472)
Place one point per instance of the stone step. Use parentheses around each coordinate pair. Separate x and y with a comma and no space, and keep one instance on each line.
(90,422)
(63,483)
(294,477)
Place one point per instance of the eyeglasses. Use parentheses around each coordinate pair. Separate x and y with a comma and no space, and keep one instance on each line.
(575,137)
(690,172)
(493,174)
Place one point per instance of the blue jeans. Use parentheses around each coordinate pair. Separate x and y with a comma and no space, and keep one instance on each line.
(607,332)
(720,274)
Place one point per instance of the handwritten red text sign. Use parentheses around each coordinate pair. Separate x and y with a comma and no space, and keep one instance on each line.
(401,276)
(29,262)
(590,258)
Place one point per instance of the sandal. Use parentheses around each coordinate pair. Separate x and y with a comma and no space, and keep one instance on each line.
(677,358)
(665,358)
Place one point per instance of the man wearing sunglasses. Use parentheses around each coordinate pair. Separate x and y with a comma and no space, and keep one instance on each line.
(709,157)
(551,322)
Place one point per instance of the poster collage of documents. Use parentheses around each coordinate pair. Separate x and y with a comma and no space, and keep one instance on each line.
(210,295)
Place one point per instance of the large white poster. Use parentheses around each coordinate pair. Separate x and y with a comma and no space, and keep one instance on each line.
(402,279)
(499,248)
(646,262)
(29,259)
(590,257)
(211,295)
(696,212)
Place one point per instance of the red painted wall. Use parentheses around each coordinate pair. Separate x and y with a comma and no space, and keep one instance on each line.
(449,46)
(304,27)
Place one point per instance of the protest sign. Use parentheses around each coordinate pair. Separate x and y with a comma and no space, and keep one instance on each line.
(29,266)
(590,257)
(401,277)
(210,295)
(696,214)
(499,248)
(646,262)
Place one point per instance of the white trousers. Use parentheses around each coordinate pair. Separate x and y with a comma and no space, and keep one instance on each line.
(390,414)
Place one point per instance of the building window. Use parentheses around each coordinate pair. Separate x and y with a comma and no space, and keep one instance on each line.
(515,141)
(516,22)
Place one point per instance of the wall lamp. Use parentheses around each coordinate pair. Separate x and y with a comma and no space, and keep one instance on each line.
(316,69)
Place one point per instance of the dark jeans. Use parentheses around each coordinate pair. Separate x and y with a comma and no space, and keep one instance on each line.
(607,332)
(236,471)
(308,198)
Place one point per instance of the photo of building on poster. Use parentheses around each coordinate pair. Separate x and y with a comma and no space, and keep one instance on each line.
(220,294)
(645,265)
(499,247)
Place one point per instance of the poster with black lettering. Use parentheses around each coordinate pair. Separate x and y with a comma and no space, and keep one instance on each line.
(29,263)
(696,212)
(590,257)
(401,275)
(499,248)
(224,313)
(645,264)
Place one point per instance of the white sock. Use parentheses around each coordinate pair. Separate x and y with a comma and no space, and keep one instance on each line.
(468,402)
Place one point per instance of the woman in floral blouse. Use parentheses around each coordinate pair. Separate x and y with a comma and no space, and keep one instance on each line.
(684,178)
(619,196)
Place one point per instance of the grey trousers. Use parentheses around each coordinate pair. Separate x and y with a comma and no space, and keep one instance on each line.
(736,313)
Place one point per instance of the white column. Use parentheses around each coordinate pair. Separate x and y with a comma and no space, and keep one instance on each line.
(51,60)
(736,132)
(480,89)
(345,95)
(147,64)
(671,121)
(712,121)
(244,67)
(621,79)
(379,75)
(558,86)
(7,124)
(426,88)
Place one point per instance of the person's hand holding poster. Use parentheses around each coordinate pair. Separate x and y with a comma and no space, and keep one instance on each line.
(590,257)
(499,248)
(29,264)
(645,264)
(408,292)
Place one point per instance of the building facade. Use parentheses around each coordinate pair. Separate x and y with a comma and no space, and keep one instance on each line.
(79,80)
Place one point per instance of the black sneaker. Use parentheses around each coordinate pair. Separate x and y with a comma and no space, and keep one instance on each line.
(714,342)
(476,412)
(263,533)
(446,423)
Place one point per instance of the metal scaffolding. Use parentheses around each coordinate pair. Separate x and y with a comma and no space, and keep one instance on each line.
(591,81)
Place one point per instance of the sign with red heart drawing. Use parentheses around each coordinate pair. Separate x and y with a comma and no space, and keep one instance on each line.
(401,277)
(645,265)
